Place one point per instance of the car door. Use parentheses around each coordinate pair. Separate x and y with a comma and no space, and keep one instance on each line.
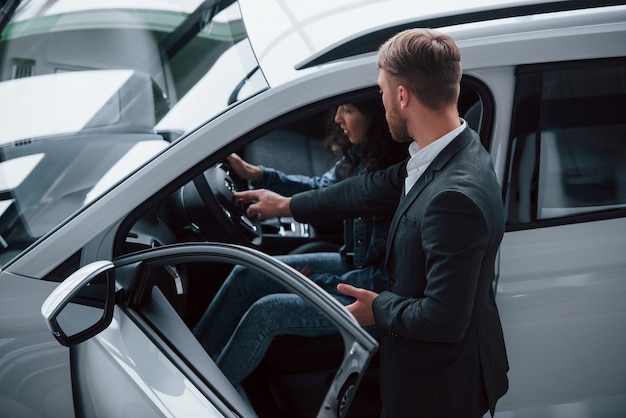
(562,267)
(132,352)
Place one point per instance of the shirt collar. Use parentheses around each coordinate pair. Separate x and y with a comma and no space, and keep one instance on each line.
(422,157)
(426,155)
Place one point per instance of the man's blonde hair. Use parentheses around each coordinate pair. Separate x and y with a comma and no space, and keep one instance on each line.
(425,61)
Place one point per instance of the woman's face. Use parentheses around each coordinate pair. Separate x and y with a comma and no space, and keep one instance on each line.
(353,123)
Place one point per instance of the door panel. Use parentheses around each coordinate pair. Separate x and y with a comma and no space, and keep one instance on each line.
(121,372)
(149,362)
(561,298)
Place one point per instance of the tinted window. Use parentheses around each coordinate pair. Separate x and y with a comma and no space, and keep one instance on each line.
(568,150)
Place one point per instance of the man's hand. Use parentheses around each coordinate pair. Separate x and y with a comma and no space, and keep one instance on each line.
(362,307)
(265,203)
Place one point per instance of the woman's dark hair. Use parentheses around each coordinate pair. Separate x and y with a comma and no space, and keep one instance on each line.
(378,150)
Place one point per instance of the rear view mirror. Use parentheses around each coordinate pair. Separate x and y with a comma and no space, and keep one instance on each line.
(82,306)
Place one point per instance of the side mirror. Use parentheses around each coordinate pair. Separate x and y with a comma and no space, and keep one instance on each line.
(82,306)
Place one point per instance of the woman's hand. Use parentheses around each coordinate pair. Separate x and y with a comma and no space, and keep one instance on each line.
(244,169)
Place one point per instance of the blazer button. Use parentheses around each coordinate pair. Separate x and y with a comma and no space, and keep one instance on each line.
(391,280)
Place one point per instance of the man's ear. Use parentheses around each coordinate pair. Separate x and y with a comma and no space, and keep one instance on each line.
(404,97)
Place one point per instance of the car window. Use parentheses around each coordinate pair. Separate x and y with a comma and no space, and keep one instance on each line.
(90,92)
(295,145)
(568,149)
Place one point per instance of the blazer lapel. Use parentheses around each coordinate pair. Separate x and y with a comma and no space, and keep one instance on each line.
(405,203)
(461,141)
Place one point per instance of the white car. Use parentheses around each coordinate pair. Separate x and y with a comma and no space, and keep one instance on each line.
(117,223)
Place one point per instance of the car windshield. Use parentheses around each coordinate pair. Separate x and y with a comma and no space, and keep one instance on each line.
(90,91)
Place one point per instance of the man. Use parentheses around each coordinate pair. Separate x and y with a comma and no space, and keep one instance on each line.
(442,347)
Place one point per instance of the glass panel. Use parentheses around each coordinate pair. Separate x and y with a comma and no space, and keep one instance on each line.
(90,91)
(568,152)
(582,165)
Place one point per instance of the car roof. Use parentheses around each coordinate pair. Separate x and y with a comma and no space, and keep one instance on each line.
(290,37)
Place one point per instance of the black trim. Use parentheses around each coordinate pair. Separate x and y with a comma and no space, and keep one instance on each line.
(488,107)
(568,220)
(63,270)
(370,41)
(192,25)
(6,12)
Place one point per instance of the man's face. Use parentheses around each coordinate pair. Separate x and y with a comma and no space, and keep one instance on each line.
(391,100)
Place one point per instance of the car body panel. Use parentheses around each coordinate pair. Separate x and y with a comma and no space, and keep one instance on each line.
(300,30)
(125,365)
(561,296)
(34,368)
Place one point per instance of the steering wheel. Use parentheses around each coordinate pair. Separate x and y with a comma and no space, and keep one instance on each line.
(213,192)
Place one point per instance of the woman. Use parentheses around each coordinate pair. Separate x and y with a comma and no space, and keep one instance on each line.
(249,311)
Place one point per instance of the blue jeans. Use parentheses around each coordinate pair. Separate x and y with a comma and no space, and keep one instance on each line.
(250,310)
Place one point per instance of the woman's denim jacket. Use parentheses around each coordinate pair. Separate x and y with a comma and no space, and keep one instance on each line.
(365,238)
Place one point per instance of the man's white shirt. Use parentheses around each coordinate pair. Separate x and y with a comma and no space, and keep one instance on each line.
(421,158)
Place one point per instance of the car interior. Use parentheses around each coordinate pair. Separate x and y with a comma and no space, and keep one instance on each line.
(283,385)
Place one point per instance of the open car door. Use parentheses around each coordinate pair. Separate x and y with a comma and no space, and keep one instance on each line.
(133,353)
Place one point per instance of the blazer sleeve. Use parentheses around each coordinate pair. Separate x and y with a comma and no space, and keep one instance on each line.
(376,193)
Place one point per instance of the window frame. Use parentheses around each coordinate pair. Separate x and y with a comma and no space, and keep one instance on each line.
(536,125)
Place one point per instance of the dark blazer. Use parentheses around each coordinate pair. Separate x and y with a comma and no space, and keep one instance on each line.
(442,346)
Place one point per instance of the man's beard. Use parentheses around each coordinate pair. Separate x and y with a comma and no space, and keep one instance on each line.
(397,126)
